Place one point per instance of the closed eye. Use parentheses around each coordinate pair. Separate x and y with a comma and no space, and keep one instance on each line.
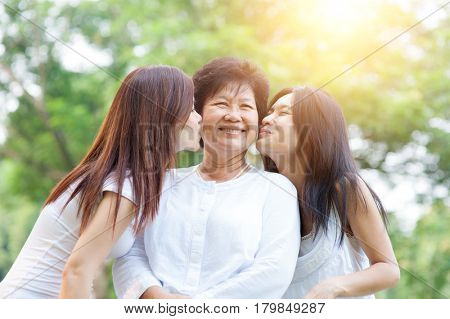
(220,104)
(247,106)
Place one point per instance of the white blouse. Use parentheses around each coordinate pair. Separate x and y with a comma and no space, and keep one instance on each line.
(37,271)
(322,257)
(236,239)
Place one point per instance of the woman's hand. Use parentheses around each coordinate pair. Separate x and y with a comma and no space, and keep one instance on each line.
(327,289)
(367,226)
(156,292)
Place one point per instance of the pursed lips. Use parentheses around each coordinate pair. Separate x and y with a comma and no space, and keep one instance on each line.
(265,130)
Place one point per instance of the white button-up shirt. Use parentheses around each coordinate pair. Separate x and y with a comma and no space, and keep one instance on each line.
(236,239)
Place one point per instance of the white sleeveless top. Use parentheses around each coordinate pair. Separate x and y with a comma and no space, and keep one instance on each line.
(37,271)
(322,257)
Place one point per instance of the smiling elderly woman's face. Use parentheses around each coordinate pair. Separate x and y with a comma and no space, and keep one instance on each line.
(230,120)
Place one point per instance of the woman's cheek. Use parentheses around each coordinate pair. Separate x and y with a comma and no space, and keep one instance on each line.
(252,133)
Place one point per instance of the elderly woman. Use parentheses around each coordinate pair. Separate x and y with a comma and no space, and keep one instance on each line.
(224,229)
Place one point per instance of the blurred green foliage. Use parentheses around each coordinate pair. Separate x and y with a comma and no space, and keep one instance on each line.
(53,100)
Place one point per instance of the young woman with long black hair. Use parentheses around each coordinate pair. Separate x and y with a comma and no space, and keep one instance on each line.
(345,250)
(94,212)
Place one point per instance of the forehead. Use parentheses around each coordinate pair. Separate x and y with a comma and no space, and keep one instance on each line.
(235,90)
(283,101)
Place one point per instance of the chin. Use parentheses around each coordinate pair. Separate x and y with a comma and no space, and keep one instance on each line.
(193,148)
(233,148)
(196,148)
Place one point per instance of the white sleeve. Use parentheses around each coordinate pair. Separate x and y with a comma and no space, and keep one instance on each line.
(132,274)
(273,268)
(111,185)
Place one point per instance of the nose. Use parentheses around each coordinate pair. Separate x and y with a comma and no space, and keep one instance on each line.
(234,115)
(268,120)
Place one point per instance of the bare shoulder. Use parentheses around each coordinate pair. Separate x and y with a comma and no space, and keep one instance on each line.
(356,191)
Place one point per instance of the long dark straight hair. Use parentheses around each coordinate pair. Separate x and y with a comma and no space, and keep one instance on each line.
(137,139)
(331,176)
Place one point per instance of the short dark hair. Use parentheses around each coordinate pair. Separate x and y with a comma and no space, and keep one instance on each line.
(219,72)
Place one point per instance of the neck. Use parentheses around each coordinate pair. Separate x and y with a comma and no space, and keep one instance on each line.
(289,166)
(220,167)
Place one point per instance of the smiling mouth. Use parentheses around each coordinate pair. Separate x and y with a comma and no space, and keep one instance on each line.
(230,131)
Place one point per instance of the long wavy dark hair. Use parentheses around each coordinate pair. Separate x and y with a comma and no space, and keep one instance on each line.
(137,139)
(331,176)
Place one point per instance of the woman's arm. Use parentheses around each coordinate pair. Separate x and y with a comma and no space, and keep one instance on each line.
(133,278)
(132,274)
(368,228)
(94,245)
